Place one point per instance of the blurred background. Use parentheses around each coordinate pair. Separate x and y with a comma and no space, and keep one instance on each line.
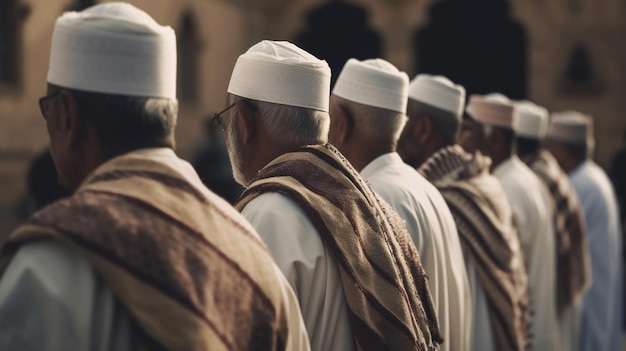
(562,54)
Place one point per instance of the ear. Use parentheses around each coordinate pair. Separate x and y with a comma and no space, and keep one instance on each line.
(68,120)
(344,124)
(422,130)
(246,123)
(497,139)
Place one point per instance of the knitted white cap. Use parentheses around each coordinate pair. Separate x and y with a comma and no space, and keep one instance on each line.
(493,109)
(532,120)
(280,72)
(373,82)
(438,91)
(570,127)
(113,48)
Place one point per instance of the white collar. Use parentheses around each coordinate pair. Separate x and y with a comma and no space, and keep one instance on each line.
(380,162)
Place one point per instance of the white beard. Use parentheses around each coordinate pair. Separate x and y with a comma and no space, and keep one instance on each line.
(234,154)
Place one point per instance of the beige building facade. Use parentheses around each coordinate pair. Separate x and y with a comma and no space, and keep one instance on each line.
(212,33)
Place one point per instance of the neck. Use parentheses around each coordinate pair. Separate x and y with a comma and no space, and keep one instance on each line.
(363,153)
(430,148)
(528,147)
(263,155)
(498,157)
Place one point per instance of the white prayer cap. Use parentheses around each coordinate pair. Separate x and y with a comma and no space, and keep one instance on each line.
(373,82)
(570,127)
(113,48)
(532,120)
(280,72)
(438,91)
(493,109)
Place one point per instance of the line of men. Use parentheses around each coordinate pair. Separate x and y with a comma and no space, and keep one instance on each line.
(384,215)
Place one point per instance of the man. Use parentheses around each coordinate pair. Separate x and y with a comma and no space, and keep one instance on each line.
(357,276)
(142,255)
(573,271)
(490,127)
(367,109)
(570,140)
(481,211)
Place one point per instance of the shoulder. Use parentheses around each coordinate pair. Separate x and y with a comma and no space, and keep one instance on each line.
(279,219)
(272,203)
(52,271)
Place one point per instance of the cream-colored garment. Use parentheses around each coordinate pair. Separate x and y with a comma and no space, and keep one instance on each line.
(570,327)
(534,219)
(432,228)
(309,267)
(52,300)
(482,337)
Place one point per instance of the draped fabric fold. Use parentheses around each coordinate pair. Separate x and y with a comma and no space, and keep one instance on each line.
(385,286)
(488,238)
(190,275)
(573,262)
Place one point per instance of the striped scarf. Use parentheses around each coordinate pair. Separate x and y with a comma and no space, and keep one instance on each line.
(488,238)
(190,275)
(573,265)
(382,278)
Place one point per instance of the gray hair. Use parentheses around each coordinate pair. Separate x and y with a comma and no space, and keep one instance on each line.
(125,123)
(292,124)
(376,123)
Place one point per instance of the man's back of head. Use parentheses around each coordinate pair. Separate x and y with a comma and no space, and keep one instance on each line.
(570,138)
(434,109)
(111,87)
(368,107)
(530,128)
(279,94)
(497,116)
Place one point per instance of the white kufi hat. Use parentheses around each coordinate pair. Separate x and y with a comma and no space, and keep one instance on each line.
(373,82)
(532,120)
(438,91)
(113,48)
(280,72)
(570,127)
(493,109)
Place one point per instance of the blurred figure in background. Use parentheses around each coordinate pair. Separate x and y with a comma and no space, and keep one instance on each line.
(570,140)
(141,255)
(481,210)
(348,257)
(212,163)
(367,108)
(617,173)
(573,267)
(337,31)
(491,127)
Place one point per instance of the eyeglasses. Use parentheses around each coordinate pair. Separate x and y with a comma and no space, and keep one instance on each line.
(44,105)
(218,117)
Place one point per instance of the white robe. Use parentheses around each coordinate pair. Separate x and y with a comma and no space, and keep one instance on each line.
(309,267)
(601,318)
(482,337)
(530,201)
(432,228)
(51,298)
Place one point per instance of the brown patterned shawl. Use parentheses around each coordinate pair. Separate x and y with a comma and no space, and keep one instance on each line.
(573,265)
(485,223)
(383,281)
(190,276)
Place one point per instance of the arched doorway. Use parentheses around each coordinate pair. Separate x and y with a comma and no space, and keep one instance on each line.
(337,32)
(476,44)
